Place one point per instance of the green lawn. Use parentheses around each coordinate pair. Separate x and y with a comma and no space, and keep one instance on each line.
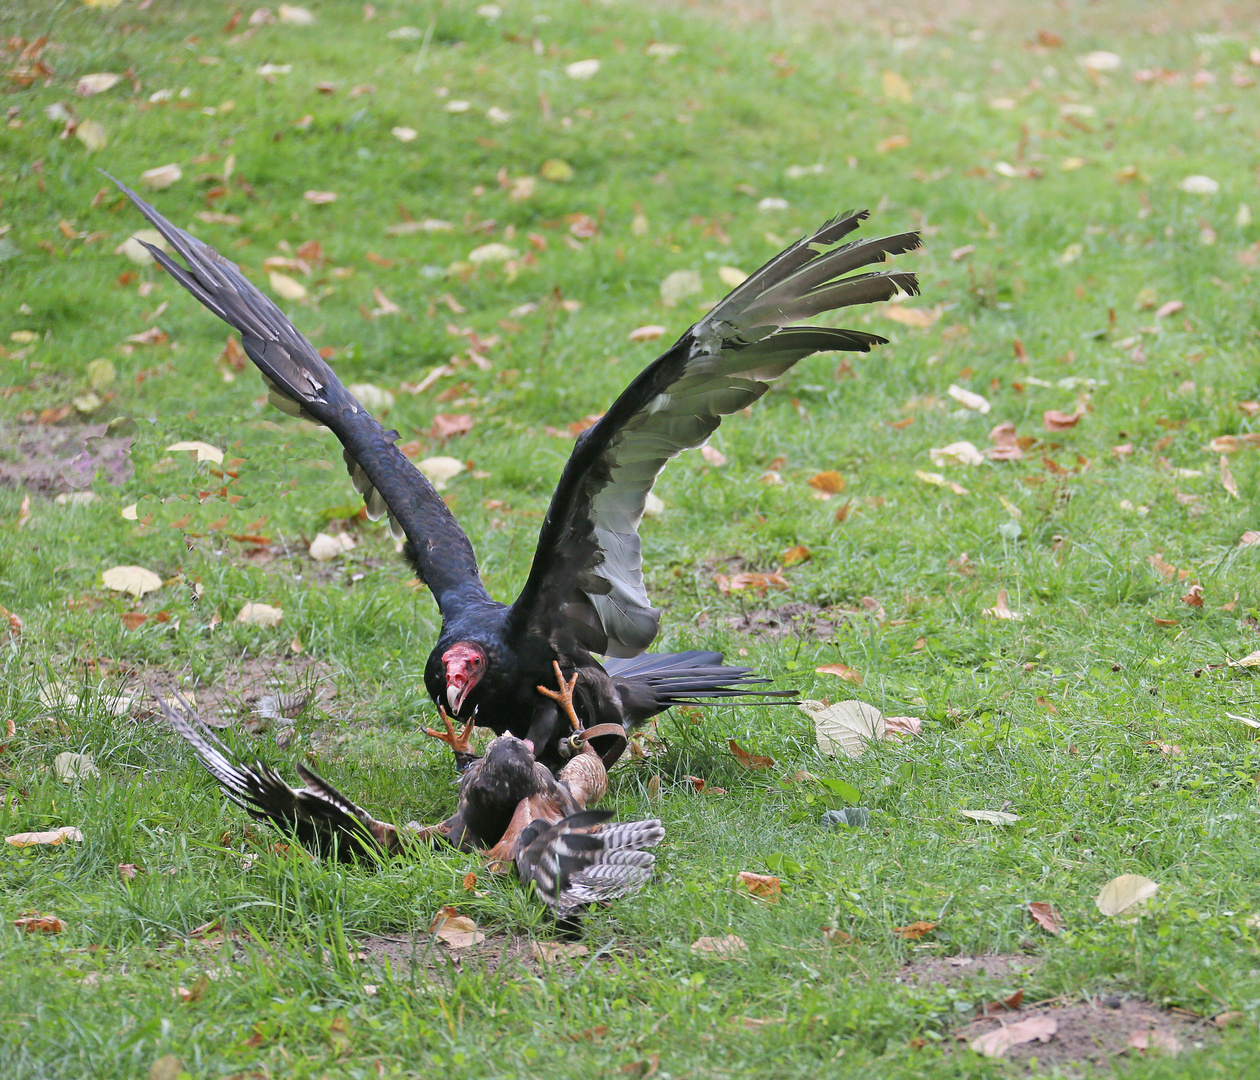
(1064,268)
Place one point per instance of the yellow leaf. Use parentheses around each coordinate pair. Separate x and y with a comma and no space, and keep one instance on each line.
(263,615)
(285,287)
(896,88)
(161,177)
(131,579)
(52,838)
(1125,892)
(731,276)
(204,451)
(729,946)
(91,133)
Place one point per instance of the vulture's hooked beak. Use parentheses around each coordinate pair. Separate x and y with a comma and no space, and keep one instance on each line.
(464,663)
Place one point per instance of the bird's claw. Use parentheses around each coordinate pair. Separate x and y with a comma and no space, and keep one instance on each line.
(460,742)
(564,696)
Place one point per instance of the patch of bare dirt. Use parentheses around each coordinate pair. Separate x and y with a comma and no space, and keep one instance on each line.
(53,460)
(1096,1032)
(250,688)
(794,619)
(507,953)
(1009,969)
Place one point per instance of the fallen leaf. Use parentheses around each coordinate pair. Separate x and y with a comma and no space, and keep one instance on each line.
(128,871)
(98,83)
(836,936)
(996,1043)
(1169,308)
(758,583)
(796,554)
(582,69)
(292,15)
(439,470)
(162,177)
(404,134)
(319,198)
(1053,420)
(456,930)
(91,133)
(993,817)
(885,146)
(285,287)
(1001,609)
(713,456)
(135,580)
(749,761)
(556,171)
(896,88)
(491,253)
(843,671)
(1010,1004)
(958,453)
(915,930)
(845,728)
(1046,916)
(1165,569)
(372,397)
(1199,185)
(469,882)
(1125,892)
(448,426)
(920,318)
(325,547)
(1227,479)
(10,622)
(829,482)
(35,923)
(728,946)
(550,951)
(204,451)
(1194,597)
(263,615)
(678,286)
(69,766)
(1151,1039)
(133,247)
(647,333)
(189,995)
(762,885)
(902,726)
(731,276)
(50,838)
(167,1067)
(968,400)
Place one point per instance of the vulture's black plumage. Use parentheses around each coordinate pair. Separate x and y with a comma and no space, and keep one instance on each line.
(585,594)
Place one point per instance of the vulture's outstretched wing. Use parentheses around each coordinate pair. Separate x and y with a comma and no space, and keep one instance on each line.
(323,820)
(588,564)
(301,384)
(584,858)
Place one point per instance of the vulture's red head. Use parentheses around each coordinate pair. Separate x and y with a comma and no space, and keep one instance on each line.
(464,664)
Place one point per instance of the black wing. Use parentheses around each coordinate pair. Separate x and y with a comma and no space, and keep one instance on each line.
(588,564)
(584,858)
(301,384)
(323,820)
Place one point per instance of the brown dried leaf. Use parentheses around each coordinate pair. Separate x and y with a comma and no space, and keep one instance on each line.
(456,930)
(836,936)
(758,583)
(996,1043)
(1165,569)
(842,671)
(793,555)
(728,946)
(1227,479)
(51,837)
(1053,420)
(1010,1004)
(470,881)
(762,885)
(548,951)
(747,760)
(902,726)
(448,426)
(915,930)
(1194,597)
(35,923)
(1046,916)
(1001,609)
(713,456)
(830,482)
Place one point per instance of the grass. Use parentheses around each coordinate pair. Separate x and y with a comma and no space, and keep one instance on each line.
(1057,716)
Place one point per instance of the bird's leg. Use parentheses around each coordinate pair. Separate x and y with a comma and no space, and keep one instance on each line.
(460,743)
(564,696)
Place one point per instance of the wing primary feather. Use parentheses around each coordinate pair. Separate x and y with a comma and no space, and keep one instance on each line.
(302,384)
(588,565)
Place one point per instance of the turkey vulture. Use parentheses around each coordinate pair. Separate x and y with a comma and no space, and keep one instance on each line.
(585,593)
(510,805)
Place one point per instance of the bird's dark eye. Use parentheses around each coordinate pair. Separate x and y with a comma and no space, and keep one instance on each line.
(476,661)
